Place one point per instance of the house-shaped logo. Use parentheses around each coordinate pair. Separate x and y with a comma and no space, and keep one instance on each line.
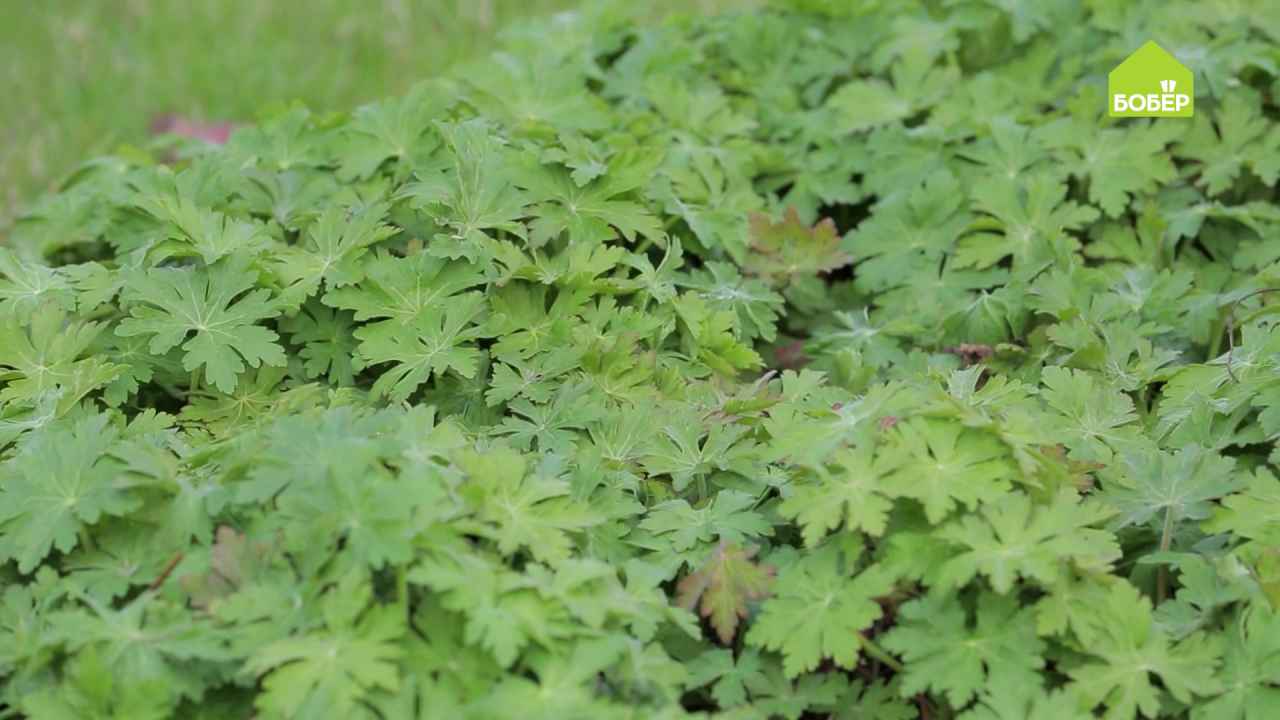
(1150,83)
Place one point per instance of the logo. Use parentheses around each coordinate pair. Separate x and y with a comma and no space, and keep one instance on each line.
(1150,83)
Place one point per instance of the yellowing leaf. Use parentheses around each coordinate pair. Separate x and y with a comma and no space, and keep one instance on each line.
(723,588)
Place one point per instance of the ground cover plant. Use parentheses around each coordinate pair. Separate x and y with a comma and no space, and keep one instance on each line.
(819,361)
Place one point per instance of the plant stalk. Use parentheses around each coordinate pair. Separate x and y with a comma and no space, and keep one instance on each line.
(402,592)
(1166,539)
(872,649)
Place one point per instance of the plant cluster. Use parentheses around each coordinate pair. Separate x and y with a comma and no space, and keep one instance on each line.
(829,360)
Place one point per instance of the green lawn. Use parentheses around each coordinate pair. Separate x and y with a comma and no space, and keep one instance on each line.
(80,77)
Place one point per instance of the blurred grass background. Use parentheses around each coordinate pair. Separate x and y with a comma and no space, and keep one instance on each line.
(80,77)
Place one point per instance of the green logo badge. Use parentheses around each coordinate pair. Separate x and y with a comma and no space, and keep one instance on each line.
(1150,83)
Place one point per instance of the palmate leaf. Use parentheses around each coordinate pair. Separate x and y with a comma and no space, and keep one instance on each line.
(1128,649)
(1014,538)
(685,449)
(1117,163)
(559,684)
(1205,588)
(1250,513)
(867,104)
(551,426)
(587,159)
(946,652)
(1009,148)
(657,283)
(856,494)
(1170,487)
(396,130)
(502,615)
(699,191)
(92,690)
(752,302)
(592,212)
(26,286)
(722,588)
(1095,420)
(779,696)
(1032,215)
(863,104)
(943,464)
(209,235)
(340,442)
(212,312)
(328,672)
(1026,703)
(333,247)
(58,221)
(534,379)
(437,341)
(25,622)
(531,510)
(876,341)
(1236,136)
(726,518)
(149,642)
(401,288)
(328,340)
(471,193)
(123,556)
(874,701)
(536,92)
(910,236)
(708,335)
(258,398)
(1251,669)
(730,676)
(63,481)
(367,520)
(48,353)
(819,609)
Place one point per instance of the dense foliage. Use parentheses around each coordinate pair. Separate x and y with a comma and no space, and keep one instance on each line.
(810,362)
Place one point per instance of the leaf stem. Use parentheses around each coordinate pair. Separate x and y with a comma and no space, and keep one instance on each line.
(86,539)
(402,591)
(870,647)
(1231,326)
(1143,405)
(1166,539)
(1217,333)
(166,571)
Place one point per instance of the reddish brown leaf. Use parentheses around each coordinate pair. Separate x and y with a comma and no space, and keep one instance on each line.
(971,353)
(790,356)
(790,248)
(724,586)
(233,559)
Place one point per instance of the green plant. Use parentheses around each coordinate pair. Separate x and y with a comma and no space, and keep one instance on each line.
(860,335)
